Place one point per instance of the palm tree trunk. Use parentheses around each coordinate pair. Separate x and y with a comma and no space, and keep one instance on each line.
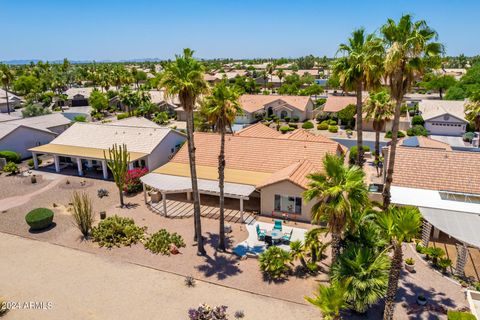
(221,178)
(377,145)
(359,126)
(393,279)
(193,174)
(391,155)
(6,97)
(122,203)
(335,246)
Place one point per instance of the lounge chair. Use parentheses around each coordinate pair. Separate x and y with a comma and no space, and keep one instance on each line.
(278,225)
(261,233)
(287,236)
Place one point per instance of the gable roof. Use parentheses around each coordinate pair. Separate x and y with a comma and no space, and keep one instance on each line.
(437,169)
(434,108)
(338,103)
(134,122)
(424,142)
(85,92)
(296,173)
(258,130)
(255,102)
(44,122)
(7,128)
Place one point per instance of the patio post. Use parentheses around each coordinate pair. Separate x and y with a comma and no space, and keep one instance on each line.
(241,209)
(105,169)
(426,231)
(35,160)
(189,196)
(144,193)
(462,251)
(164,200)
(79,166)
(56,159)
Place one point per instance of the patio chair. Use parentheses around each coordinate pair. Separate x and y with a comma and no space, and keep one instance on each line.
(287,236)
(278,225)
(268,240)
(260,233)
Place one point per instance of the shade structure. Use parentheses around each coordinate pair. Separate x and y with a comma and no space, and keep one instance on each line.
(463,226)
(176,184)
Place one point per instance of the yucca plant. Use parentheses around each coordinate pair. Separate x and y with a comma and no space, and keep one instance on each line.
(83,213)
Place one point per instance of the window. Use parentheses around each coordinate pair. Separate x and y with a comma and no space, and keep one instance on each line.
(461,197)
(288,204)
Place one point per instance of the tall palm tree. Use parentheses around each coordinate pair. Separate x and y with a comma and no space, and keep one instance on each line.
(379,108)
(185,77)
(330,300)
(472,110)
(6,77)
(222,106)
(280,75)
(360,69)
(365,275)
(398,224)
(407,43)
(339,190)
(264,75)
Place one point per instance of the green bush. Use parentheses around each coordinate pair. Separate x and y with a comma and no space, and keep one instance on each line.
(39,218)
(117,231)
(388,135)
(459,315)
(307,125)
(434,253)
(295,118)
(274,262)
(285,129)
(332,122)
(10,167)
(333,129)
(11,156)
(354,152)
(293,125)
(444,264)
(31,164)
(468,136)
(79,118)
(417,130)
(121,116)
(161,240)
(417,120)
(323,126)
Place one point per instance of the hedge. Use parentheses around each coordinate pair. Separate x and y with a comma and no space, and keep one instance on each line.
(354,152)
(39,218)
(307,125)
(11,156)
(458,315)
(323,126)
(122,116)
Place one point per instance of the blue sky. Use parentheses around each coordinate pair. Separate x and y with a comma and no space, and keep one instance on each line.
(108,29)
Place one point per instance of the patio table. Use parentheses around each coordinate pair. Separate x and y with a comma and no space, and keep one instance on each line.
(275,234)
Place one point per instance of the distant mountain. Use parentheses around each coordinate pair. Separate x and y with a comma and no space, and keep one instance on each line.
(27,61)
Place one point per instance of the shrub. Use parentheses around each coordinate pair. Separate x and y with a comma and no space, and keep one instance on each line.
(10,167)
(287,119)
(444,264)
(468,136)
(83,213)
(205,312)
(117,231)
(388,135)
(31,164)
(417,120)
(11,156)
(295,118)
(79,118)
(307,125)
(332,122)
(102,193)
(434,253)
(190,281)
(161,240)
(354,152)
(420,248)
(274,262)
(39,218)
(132,180)
(284,129)
(293,125)
(410,261)
(459,315)
(323,126)
(417,130)
(122,116)
(333,129)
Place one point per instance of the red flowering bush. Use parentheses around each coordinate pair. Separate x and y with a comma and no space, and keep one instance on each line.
(132,180)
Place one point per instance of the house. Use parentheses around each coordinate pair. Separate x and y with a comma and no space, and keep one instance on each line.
(78,97)
(82,146)
(278,105)
(335,104)
(443,117)
(268,171)
(19,135)
(13,101)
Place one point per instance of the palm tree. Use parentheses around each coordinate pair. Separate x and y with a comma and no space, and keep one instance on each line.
(360,69)
(472,110)
(339,190)
(365,275)
(379,108)
(6,77)
(222,106)
(185,77)
(297,251)
(330,300)
(280,75)
(398,224)
(264,75)
(407,43)
(270,70)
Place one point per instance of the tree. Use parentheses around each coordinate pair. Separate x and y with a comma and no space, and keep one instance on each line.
(222,108)
(280,75)
(185,77)
(117,161)
(339,190)
(472,110)
(305,63)
(407,42)
(98,101)
(365,275)
(379,109)
(330,300)
(398,224)
(34,110)
(360,69)
(439,83)
(6,77)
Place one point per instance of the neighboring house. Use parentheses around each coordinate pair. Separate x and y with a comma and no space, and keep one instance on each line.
(78,97)
(20,135)
(83,144)
(269,170)
(280,106)
(335,104)
(443,117)
(13,101)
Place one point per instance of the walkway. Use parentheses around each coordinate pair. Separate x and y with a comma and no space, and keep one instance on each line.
(81,285)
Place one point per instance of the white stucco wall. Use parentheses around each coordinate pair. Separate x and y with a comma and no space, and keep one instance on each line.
(446,125)
(163,152)
(23,138)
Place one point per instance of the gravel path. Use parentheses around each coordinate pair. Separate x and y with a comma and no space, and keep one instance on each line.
(81,285)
